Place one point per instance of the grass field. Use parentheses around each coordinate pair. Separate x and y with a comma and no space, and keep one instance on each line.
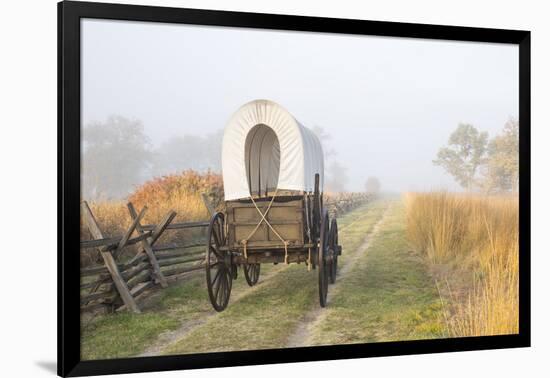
(431,266)
(383,292)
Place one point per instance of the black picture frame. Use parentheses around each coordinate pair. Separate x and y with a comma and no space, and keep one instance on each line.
(69,16)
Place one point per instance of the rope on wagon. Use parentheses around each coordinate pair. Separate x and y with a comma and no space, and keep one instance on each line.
(244,242)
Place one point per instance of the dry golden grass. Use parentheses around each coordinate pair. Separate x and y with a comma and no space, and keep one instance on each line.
(474,236)
(179,192)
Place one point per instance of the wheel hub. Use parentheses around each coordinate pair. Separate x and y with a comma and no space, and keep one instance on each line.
(227,260)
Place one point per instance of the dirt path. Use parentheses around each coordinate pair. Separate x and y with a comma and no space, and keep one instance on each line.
(302,334)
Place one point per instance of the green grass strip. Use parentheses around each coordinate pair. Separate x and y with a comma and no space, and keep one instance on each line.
(388,295)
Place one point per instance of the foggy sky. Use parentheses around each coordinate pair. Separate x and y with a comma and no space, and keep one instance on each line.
(388,103)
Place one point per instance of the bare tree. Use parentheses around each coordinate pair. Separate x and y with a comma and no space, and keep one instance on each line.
(116,155)
(337,178)
(200,153)
(372,185)
(324,138)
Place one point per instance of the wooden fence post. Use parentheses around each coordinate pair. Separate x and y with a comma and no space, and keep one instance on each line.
(129,233)
(147,244)
(208,204)
(108,259)
(209,207)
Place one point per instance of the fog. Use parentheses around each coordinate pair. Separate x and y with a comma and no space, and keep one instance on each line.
(386,104)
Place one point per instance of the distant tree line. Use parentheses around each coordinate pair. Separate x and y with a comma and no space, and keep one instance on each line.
(477,163)
(118,156)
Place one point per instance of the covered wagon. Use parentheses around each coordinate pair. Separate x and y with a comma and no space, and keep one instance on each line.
(273,182)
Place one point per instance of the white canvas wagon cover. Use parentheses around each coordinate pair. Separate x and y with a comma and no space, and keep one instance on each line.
(264,148)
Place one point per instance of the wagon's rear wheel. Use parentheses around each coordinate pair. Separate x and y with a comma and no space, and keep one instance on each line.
(219,265)
(333,245)
(251,273)
(322,260)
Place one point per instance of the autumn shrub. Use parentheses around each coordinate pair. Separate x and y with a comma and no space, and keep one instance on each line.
(178,192)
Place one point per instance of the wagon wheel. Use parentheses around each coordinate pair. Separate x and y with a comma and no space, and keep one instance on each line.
(219,267)
(251,273)
(323,262)
(333,245)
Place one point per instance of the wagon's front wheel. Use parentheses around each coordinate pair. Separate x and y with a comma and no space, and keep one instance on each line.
(219,265)
(322,259)
(333,246)
(251,273)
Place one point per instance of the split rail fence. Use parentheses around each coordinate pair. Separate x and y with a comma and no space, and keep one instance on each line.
(116,285)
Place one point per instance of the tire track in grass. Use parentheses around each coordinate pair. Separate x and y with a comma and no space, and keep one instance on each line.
(167,339)
(315,316)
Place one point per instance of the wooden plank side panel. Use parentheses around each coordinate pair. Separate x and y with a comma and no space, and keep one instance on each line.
(287,218)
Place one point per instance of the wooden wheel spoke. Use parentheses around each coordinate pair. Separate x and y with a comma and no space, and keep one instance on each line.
(227,285)
(226,278)
(251,273)
(224,288)
(220,233)
(219,289)
(217,253)
(216,276)
(215,238)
